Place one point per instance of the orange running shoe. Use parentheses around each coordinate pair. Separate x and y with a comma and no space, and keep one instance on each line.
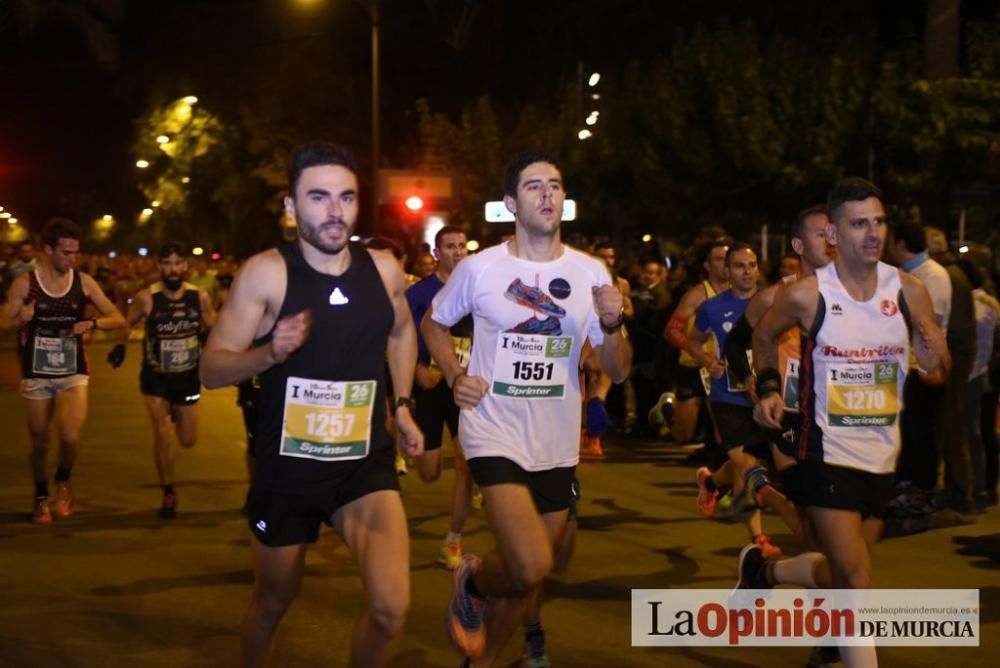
(770,550)
(594,448)
(64,501)
(706,498)
(466,618)
(42,514)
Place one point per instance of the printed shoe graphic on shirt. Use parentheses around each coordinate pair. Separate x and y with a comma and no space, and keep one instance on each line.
(533,298)
(547,327)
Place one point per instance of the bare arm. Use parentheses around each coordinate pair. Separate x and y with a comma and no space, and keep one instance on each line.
(675,332)
(140,308)
(111,317)
(208,314)
(929,343)
(401,349)
(616,351)
(16,312)
(626,298)
(227,357)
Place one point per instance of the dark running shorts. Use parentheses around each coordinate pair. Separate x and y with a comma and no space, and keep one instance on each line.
(551,490)
(842,488)
(737,428)
(689,385)
(180,389)
(435,409)
(279,518)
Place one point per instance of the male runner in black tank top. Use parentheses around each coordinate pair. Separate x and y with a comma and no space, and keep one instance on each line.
(176,314)
(317,319)
(47,305)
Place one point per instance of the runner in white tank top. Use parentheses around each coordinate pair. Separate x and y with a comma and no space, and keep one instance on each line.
(853,312)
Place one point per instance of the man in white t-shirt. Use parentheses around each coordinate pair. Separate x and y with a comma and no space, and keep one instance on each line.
(534,302)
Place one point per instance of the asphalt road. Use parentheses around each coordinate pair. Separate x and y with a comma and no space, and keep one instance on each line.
(116,586)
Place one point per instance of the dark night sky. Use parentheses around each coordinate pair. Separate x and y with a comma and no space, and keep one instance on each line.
(66,121)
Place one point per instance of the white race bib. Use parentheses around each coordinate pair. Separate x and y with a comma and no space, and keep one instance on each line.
(327,421)
(531,366)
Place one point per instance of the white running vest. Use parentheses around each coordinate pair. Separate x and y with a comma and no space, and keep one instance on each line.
(855,383)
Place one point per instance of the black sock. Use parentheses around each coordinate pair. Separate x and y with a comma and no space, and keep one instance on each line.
(168,488)
(41,489)
(470,588)
(62,474)
(710,485)
(533,629)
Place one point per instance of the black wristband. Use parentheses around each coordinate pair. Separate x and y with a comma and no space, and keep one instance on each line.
(93,321)
(405,401)
(613,329)
(768,382)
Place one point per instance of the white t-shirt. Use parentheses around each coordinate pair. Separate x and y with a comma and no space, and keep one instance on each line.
(531,320)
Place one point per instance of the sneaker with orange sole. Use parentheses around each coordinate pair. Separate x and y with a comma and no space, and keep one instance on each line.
(706,498)
(64,501)
(41,514)
(466,617)
(770,550)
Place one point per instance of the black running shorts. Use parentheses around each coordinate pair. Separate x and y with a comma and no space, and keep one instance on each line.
(842,488)
(435,409)
(689,385)
(180,389)
(737,428)
(551,490)
(280,518)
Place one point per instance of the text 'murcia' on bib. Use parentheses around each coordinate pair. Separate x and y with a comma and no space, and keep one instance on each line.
(531,366)
(327,421)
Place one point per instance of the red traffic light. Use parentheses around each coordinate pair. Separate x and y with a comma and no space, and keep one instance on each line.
(414,203)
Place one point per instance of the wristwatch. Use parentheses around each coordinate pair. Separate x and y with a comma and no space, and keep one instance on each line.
(93,321)
(405,401)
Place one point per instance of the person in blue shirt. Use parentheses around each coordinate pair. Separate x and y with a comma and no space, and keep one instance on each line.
(435,405)
(731,403)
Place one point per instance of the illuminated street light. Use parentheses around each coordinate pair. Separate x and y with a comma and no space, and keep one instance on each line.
(147,212)
(594,78)
(142,164)
(4,215)
(186,179)
(107,218)
(189,99)
(472,245)
(143,252)
(414,203)
(155,203)
(12,221)
(197,250)
(1,208)
(646,238)
(163,139)
(591,120)
(585,134)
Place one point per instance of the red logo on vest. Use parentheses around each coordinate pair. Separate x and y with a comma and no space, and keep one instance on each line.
(889,307)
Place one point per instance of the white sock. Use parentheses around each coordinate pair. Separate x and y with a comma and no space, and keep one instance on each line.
(798,570)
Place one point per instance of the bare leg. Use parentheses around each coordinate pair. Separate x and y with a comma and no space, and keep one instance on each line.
(159,415)
(374,528)
(186,424)
(685,419)
(39,417)
(461,494)
(277,577)
(71,414)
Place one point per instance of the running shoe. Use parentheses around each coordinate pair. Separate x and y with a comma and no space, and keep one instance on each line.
(41,514)
(451,555)
(770,550)
(168,509)
(751,568)
(64,501)
(662,411)
(706,498)
(593,447)
(534,651)
(465,620)
(724,505)
(533,298)
(547,327)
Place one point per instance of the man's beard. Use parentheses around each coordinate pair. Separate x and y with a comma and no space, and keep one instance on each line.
(173,283)
(311,234)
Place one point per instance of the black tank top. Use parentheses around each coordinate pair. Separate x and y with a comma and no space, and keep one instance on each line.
(351,320)
(46,345)
(171,344)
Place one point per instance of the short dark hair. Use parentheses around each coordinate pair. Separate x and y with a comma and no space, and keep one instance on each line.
(444,231)
(852,189)
(603,245)
(60,228)
(735,248)
(798,228)
(911,233)
(512,172)
(314,155)
(385,243)
(717,242)
(171,248)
